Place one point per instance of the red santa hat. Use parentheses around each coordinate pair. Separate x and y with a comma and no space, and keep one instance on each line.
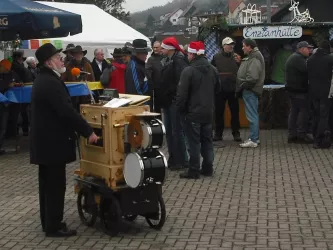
(197,48)
(171,43)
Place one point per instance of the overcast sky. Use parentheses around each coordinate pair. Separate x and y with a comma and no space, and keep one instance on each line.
(137,5)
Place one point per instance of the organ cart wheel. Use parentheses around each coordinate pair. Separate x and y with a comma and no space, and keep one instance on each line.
(130,217)
(158,223)
(111,215)
(87,207)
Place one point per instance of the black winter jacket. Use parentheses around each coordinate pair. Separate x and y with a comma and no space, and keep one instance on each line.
(24,74)
(198,84)
(153,70)
(296,74)
(320,66)
(170,76)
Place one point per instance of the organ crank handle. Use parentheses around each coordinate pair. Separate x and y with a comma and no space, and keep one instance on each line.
(119,125)
(103,116)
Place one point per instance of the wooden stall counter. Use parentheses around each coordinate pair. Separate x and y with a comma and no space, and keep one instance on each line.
(273,109)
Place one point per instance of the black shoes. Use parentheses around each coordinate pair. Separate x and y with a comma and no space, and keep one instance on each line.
(306,139)
(195,175)
(189,175)
(207,173)
(237,137)
(62,232)
(218,137)
(292,139)
(175,167)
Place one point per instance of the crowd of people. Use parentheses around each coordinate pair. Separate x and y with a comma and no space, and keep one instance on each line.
(162,77)
(184,86)
(308,83)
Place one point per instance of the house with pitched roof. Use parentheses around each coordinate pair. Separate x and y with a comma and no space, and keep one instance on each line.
(235,10)
(186,17)
(172,17)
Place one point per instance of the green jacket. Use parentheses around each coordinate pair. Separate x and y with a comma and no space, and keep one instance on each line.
(251,73)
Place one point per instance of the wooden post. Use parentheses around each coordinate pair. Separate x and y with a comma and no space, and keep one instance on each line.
(269,11)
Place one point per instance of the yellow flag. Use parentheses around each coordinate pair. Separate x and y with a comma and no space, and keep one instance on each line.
(45,41)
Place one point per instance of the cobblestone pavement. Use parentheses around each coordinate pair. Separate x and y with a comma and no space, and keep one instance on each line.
(278,196)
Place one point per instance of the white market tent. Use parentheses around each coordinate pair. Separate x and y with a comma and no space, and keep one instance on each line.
(99,30)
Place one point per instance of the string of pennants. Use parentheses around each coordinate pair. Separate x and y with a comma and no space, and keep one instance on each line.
(35,44)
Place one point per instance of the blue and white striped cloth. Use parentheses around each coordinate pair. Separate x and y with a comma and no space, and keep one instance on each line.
(136,80)
(211,46)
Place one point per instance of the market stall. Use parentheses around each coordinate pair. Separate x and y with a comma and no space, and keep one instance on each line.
(276,41)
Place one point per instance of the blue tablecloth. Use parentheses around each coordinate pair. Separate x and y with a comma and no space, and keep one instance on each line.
(3,98)
(23,94)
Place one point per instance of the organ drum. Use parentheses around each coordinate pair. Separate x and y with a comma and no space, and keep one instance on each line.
(146,164)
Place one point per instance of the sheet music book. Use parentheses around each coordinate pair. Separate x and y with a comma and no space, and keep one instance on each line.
(117,102)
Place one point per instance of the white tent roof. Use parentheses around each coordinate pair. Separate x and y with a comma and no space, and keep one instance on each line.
(98,27)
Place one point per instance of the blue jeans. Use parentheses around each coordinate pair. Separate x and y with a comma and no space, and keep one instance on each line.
(251,110)
(200,140)
(175,137)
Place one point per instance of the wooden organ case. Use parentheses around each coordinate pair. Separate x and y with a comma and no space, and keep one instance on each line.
(105,159)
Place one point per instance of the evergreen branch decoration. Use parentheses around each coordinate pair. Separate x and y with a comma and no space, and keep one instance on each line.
(319,35)
(213,24)
(10,45)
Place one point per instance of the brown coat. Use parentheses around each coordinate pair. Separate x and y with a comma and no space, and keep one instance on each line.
(84,66)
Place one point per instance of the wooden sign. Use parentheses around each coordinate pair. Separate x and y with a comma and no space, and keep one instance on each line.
(272,32)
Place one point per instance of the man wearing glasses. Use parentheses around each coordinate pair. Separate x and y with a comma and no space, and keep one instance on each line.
(54,124)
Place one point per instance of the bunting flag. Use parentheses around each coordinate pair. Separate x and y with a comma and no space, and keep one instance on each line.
(45,41)
(34,44)
(57,44)
(25,44)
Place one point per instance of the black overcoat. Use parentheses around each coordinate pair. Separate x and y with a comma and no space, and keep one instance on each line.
(54,122)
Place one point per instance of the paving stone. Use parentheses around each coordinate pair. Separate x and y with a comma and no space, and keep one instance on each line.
(277,196)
